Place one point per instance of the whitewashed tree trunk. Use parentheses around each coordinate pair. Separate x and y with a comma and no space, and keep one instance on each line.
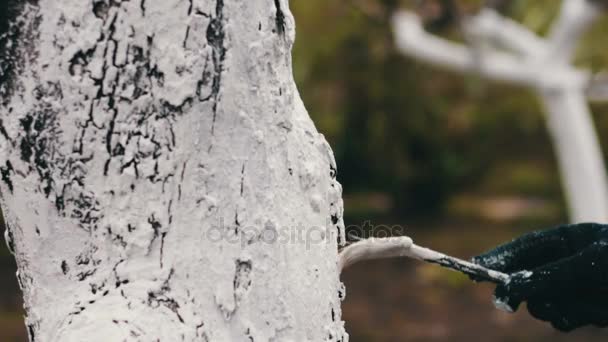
(161,179)
(578,153)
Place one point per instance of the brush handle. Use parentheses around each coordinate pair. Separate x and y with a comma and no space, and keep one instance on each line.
(463,266)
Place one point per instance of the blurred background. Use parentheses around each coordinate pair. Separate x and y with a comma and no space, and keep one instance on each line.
(458,163)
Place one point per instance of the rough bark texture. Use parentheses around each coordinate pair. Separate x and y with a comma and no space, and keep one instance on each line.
(161,179)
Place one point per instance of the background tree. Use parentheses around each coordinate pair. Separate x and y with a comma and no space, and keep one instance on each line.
(545,65)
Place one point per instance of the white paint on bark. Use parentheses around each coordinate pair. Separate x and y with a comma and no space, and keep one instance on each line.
(162,179)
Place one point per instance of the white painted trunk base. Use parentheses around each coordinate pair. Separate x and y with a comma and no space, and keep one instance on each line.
(162,180)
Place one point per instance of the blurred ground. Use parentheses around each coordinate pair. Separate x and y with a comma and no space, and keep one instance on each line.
(404,300)
(12,326)
(407,300)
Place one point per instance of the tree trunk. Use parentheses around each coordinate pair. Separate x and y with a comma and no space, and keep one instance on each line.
(161,179)
(578,152)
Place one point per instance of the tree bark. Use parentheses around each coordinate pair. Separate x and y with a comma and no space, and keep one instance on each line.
(161,179)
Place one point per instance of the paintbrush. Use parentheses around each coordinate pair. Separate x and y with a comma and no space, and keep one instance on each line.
(403,246)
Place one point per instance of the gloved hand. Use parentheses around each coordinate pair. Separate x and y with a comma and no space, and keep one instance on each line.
(562,273)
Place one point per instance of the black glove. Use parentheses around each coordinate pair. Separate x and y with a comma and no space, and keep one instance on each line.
(562,273)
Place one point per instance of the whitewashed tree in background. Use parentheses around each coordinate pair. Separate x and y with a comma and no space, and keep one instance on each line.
(505,51)
(160,175)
